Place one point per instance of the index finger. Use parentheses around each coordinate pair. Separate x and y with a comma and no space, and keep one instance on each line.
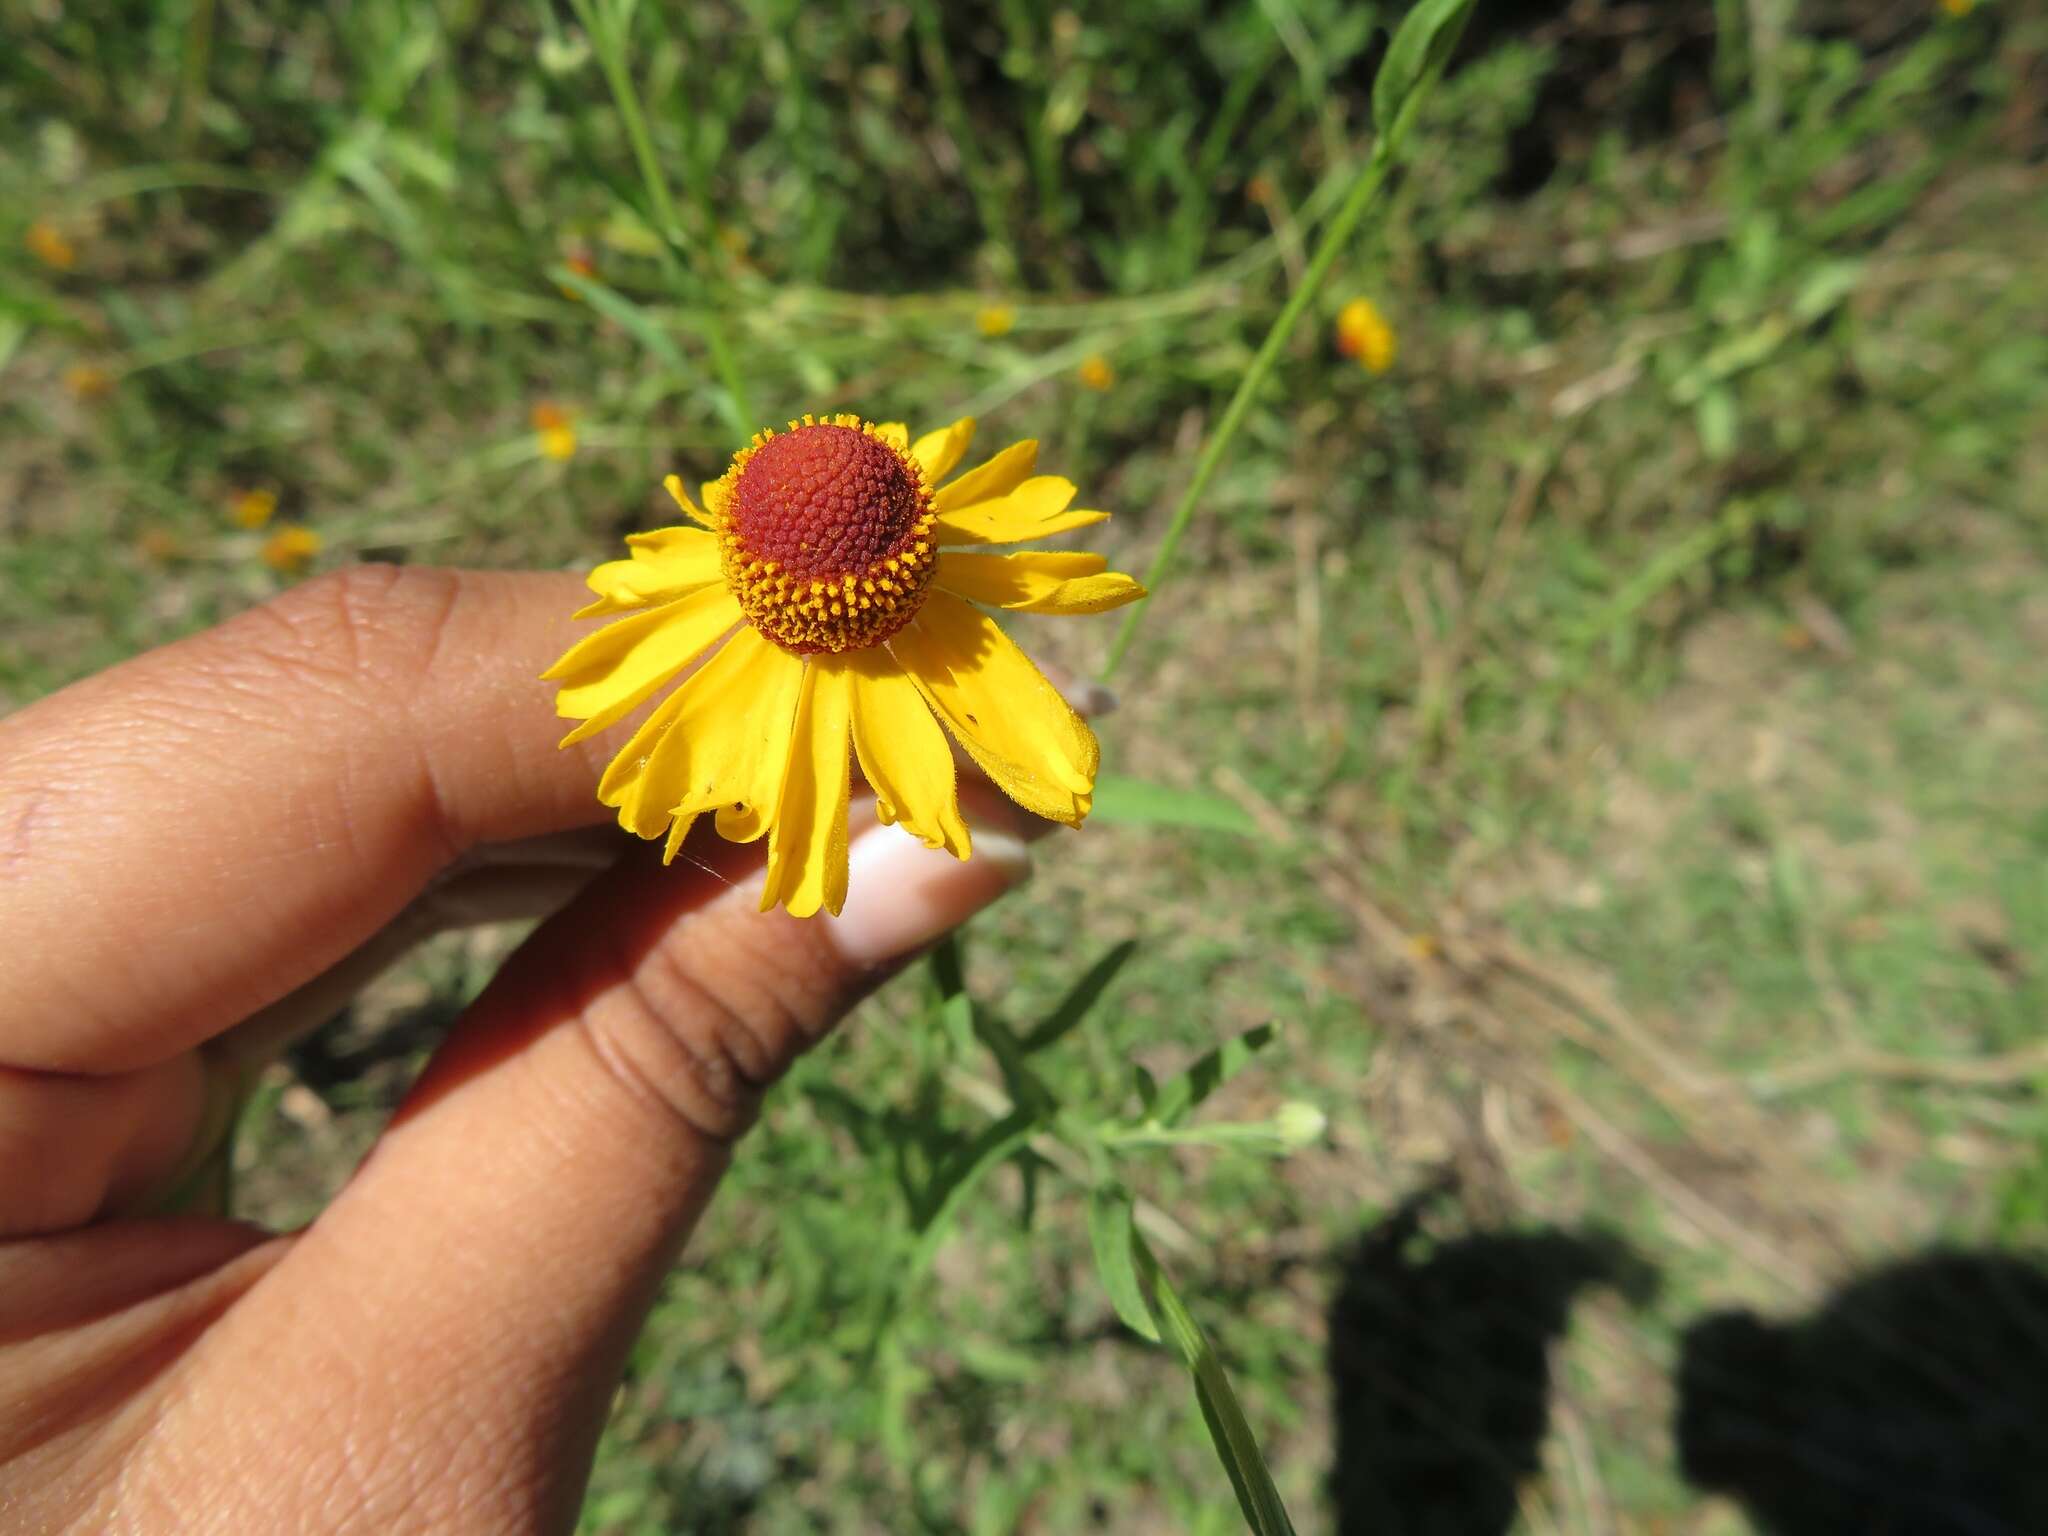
(186,837)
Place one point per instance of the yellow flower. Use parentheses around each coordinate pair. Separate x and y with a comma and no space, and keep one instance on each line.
(839,620)
(1096,372)
(252,509)
(158,543)
(1959,7)
(557,435)
(1363,333)
(994,320)
(291,549)
(580,263)
(85,381)
(48,244)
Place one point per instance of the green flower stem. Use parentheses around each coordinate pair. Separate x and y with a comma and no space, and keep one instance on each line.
(608,37)
(1360,198)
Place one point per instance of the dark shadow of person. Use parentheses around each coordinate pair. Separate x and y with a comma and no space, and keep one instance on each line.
(1915,1403)
(1439,1361)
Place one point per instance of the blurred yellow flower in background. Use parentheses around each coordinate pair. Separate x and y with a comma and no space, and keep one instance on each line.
(87,381)
(158,543)
(1096,373)
(252,508)
(578,262)
(291,549)
(1363,334)
(1959,7)
(835,621)
(556,431)
(48,244)
(994,320)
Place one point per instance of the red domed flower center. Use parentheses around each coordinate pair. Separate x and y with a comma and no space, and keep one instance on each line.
(827,537)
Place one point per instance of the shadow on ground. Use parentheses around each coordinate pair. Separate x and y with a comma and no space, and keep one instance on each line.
(1440,1365)
(1914,1403)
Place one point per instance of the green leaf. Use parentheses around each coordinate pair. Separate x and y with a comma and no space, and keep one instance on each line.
(1717,422)
(634,320)
(1148,1088)
(1210,1072)
(1113,1236)
(1229,1431)
(1128,802)
(1416,56)
(1080,998)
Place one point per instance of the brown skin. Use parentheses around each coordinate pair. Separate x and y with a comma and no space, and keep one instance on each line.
(192,835)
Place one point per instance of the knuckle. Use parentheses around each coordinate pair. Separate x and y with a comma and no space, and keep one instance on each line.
(677,1048)
(369,623)
(710,1017)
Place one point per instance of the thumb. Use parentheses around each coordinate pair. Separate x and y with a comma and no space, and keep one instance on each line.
(478,1284)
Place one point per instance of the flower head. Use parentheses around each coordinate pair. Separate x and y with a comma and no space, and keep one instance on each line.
(291,549)
(1363,334)
(580,263)
(88,381)
(1096,372)
(840,623)
(49,245)
(252,508)
(1959,7)
(994,320)
(555,431)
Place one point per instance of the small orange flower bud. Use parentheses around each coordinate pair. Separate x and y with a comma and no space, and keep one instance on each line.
(253,508)
(85,382)
(291,549)
(1363,334)
(48,244)
(556,432)
(1096,373)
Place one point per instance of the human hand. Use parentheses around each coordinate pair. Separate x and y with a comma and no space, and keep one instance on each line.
(205,849)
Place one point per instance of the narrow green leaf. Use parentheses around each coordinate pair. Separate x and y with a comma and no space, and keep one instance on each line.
(1128,802)
(1113,1237)
(1211,1071)
(1416,56)
(1080,999)
(1148,1088)
(636,322)
(1229,1431)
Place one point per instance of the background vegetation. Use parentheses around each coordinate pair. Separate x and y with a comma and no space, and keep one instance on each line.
(1616,726)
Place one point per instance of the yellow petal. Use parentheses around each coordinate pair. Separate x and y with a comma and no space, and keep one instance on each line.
(994,477)
(894,433)
(1038,581)
(1034,509)
(673,484)
(938,452)
(904,755)
(717,500)
(664,565)
(999,706)
(608,675)
(721,739)
(807,844)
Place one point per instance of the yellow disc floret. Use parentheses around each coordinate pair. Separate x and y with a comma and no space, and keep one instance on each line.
(826,534)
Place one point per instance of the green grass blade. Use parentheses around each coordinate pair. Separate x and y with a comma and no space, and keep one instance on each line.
(1114,1239)
(1429,32)
(1229,1431)
(1128,802)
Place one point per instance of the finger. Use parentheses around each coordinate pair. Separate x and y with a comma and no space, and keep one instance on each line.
(187,837)
(493,1259)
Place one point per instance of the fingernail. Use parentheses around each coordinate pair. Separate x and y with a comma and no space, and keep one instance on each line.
(1094,699)
(901,895)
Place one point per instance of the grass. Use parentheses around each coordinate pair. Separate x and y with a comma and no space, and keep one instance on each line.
(1631,689)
